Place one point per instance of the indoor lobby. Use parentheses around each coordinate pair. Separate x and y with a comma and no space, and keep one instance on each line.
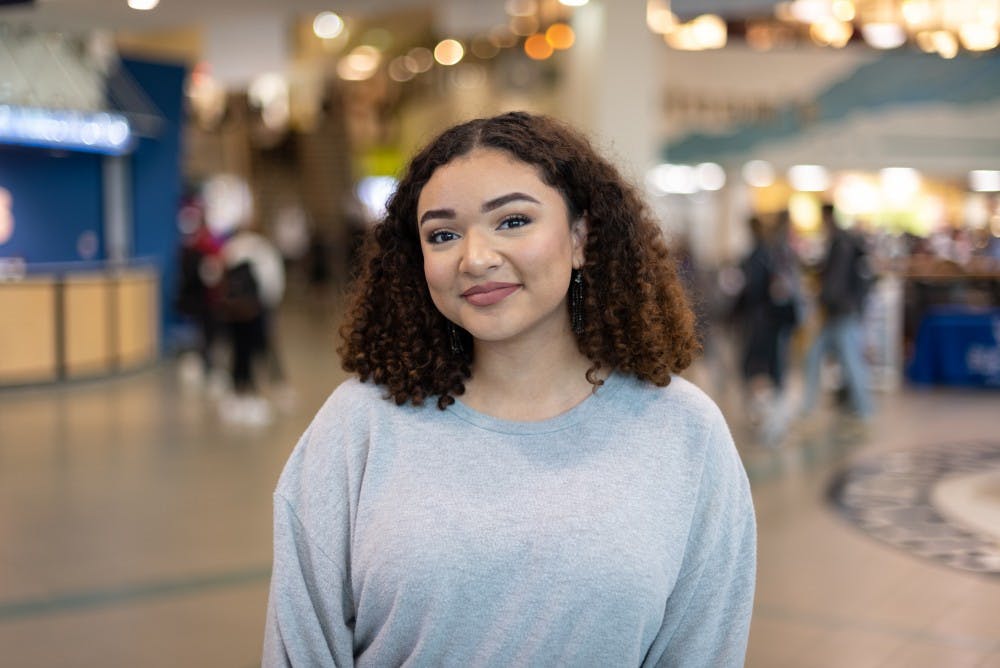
(136,494)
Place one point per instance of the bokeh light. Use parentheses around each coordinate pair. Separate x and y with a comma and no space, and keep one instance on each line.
(449,52)
(537,47)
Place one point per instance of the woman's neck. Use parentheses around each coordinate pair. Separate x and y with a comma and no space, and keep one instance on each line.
(527,382)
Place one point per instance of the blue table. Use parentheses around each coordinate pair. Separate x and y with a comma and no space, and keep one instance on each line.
(957,346)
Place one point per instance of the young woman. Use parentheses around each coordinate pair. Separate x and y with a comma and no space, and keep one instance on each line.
(515,477)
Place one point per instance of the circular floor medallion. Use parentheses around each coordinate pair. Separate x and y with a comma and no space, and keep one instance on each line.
(918,500)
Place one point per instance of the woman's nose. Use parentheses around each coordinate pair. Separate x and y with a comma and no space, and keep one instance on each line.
(479,255)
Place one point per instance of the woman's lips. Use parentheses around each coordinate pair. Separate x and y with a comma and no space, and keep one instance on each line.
(489,293)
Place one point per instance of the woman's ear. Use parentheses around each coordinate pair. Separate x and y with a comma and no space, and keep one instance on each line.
(578,236)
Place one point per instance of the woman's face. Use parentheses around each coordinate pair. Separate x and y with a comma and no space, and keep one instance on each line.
(498,247)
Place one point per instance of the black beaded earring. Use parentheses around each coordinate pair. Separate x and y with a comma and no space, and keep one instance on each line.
(576,301)
(456,342)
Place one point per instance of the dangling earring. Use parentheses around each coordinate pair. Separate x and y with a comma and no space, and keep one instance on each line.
(456,342)
(576,301)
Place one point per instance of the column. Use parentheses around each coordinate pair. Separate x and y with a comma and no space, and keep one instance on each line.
(611,86)
(117,181)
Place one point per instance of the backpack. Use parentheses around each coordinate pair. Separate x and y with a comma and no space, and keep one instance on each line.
(240,294)
(848,277)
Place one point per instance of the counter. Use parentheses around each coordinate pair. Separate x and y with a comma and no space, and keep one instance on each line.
(77,324)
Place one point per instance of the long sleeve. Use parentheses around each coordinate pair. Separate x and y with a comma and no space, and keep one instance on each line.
(413,536)
(707,620)
(309,611)
(311,608)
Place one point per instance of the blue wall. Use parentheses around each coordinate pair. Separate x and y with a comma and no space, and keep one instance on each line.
(156,176)
(57,195)
(56,198)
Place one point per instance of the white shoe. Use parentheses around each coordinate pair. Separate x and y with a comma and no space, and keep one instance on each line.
(250,411)
(257,412)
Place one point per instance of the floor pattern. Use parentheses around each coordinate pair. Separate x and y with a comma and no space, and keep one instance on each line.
(891,496)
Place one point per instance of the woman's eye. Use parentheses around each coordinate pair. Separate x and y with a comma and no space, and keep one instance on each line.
(511,222)
(441,236)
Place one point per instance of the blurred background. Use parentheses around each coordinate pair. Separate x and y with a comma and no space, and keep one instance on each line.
(184,187)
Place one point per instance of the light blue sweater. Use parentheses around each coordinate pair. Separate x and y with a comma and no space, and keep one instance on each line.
(620,533)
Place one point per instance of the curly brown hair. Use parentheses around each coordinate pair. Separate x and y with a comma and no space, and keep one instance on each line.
(637,318)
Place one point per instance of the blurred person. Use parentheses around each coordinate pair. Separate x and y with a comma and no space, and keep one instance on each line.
(319,269)
(254,284)
(198,290)
(845,279)
(766,311)
(290,230)
(516,474)
(787,295)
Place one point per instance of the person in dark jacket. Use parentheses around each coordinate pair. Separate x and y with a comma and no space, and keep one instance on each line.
(845,278)
(766,312)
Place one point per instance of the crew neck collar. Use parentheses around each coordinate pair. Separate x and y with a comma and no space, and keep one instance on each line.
(593,403)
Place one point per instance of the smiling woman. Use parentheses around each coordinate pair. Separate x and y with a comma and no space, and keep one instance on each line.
(564,498)
(498,254)
(398,334)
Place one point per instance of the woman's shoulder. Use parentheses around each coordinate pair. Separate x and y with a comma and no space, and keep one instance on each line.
(680,411)
(680,398)
(356,403)
(354,391)
(336,439)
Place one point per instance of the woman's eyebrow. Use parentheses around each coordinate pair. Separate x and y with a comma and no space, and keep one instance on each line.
(437,213)
(490,205)
(498,202)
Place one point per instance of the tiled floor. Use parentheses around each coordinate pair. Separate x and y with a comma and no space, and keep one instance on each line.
(135,528)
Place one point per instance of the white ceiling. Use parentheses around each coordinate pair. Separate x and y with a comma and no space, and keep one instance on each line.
(116,15)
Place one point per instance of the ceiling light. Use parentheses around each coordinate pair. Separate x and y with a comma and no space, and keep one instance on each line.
(143,5)
(809,178)
(360,64)
(917,13)
(883,35)
(537,47)
(327,25)
(984,180)
(843,10)
(899,186)
(560,36)
(856,195)
(944,43)
(449,52)
(709,31)
(106,133)
(710,176)
(668,179)
(979,36)
(831,33)
(758,173)
(810,11)
(659,18)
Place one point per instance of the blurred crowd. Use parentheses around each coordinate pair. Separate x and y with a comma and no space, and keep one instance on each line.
(792,319)
(788,319)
